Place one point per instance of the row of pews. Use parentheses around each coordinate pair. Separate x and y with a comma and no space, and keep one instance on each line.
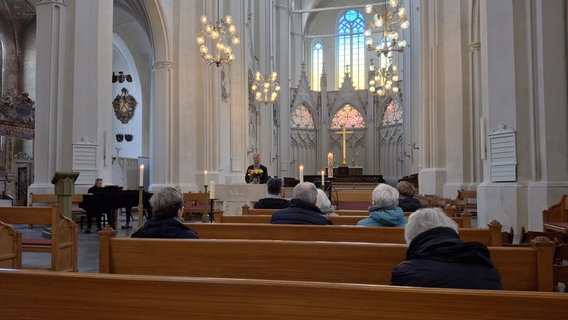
(244,271)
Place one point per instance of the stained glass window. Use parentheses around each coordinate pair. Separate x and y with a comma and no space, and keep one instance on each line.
(351,48)
(393,113)
(302,118)
(317,60)
(348,117)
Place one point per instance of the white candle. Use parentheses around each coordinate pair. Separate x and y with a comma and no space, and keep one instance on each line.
(301,173)
(141,175)
(330,165)
(205,177)
(212,190)
(322,179)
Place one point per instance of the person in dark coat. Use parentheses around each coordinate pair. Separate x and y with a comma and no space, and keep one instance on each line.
(436,257)
(167,208)
(406,200)
(273,200)
(98,215)
(303,209)
(256,165)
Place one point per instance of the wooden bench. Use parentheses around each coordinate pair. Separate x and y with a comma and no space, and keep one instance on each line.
(10,247)
(254,216)
(555,218)
(490,236)
(48,200)
(36,294)
(521,268)
(357,199)
(194,203)
(63,242)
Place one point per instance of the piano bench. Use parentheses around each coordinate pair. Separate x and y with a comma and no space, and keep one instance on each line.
(83,219)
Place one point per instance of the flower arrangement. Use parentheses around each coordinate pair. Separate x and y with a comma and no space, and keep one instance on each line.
(255,173)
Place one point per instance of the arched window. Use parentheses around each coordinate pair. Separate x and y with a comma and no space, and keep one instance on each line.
(351,48)
(348,117)
(317,60)
(302,118)
(393,113)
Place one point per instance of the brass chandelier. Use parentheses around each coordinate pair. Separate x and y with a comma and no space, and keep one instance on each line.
(215,40)
(388,20)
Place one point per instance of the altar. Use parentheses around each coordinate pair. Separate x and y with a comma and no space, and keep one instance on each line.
(231,197)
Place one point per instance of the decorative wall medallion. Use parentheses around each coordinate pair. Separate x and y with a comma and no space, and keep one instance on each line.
(124,106)
(119,137)
(128,137)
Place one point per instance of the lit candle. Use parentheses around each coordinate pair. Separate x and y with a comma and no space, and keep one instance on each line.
(205,177)
(322,179)
(301,173)
(141,175)
(212,190)
(330,165)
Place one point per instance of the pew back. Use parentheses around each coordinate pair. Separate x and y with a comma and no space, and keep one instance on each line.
(67,295)
(10,247)
(521,268)
(63,242)
(463,222)
(349,233)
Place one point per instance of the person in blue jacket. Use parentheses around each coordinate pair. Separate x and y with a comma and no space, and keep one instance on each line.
(303,209)
(385,211)
(436,257)
(167,207)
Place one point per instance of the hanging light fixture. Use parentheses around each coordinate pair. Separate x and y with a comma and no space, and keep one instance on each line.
(265,88)
(216,38)
(384,81)
(388,20)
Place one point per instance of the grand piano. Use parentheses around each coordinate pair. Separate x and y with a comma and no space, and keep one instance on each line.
(111,198)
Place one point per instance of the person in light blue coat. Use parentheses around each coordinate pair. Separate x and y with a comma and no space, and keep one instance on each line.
(385,211)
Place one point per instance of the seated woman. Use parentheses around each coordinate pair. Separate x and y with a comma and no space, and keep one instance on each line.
(436,257)
(274,198)
(406,200)
(167,207)
(384,211)
(324,204)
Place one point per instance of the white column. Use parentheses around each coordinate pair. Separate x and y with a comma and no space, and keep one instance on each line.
(50,62)
(283,66)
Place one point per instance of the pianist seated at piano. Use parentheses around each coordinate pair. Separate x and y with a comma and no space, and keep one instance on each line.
(90,213)
(167,208)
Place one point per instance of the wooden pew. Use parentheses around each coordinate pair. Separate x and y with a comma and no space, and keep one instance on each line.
(521,268)
(555,218)
(36,294)
(48,200)
(10,247)
(348,233)
(63,242)
(463,222)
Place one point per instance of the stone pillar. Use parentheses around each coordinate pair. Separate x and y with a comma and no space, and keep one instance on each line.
(64,189)
(51,34)
(283,65)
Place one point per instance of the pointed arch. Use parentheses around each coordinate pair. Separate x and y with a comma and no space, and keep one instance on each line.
(349,117)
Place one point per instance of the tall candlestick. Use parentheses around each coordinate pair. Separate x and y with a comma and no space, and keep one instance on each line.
(141,175)
(322,179)
(212,190)
(205,177)
(301,173)
(330,165)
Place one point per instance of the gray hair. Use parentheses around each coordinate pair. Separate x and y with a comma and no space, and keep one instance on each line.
(385,196)
(323,202)
(425,219)
(305,191)
(166,203)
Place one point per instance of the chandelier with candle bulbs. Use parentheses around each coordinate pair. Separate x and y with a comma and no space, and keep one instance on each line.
(215,40)
(388,22)
(384,81)
(265,88)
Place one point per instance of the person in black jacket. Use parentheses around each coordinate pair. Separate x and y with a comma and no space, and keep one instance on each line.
(303,209)
(436,257)
(98,215)
(273,200)
(167,208)
(406,200)
(256,165)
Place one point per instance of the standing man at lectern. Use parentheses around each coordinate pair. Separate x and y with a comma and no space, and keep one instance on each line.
(256,165)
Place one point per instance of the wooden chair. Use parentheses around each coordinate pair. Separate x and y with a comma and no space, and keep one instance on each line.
(195,204)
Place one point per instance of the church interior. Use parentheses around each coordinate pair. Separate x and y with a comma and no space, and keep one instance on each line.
(460,95)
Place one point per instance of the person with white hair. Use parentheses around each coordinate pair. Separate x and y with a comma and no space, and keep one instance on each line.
(324,204)
(303,209)
(436,257)
(385,211)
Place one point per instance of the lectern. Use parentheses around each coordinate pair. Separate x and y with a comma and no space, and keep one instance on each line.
(64,189)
